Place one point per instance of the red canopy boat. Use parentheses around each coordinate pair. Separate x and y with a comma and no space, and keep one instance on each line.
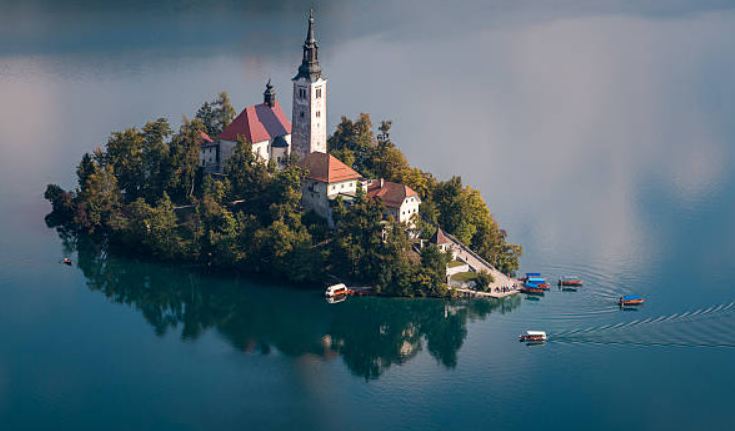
(572,281)
(628,300)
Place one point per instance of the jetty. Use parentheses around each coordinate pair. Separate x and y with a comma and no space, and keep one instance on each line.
(471,293)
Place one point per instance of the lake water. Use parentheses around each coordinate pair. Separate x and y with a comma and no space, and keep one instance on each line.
(601,135)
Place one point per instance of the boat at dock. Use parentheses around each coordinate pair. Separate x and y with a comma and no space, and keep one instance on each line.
(529,275)
(570,281)
(630,300)
(335,290)
(532,289)
(533,337)
(535,282)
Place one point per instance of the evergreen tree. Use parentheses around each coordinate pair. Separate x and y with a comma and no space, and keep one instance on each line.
(125,155)
(250,180)
(100,200)
(85,169)
(156,152)
(184,162)
(223,113)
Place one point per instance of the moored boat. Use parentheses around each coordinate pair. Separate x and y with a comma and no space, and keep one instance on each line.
(570,281)
(529,275)
(533,337)
(533,289)
(67,261)
(629,300)
(338,289)
(535,282)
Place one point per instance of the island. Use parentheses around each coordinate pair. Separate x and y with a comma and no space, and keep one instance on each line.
(256,192)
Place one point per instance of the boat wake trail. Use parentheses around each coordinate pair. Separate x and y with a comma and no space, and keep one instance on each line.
(706,327)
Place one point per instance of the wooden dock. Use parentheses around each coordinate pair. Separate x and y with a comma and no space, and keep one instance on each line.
(470,293)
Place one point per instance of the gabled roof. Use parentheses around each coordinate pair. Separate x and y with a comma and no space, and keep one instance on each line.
(326,168)
(258,123)
(203,138)
(392,194)
(439,237)
(280,142)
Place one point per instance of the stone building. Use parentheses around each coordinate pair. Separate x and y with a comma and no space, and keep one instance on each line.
(327,178)
(399,200)
(309,114)
(264,125)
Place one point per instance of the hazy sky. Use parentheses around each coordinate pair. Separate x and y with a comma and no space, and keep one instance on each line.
(543,106)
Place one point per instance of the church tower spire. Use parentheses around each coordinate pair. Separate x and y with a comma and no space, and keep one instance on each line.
(269,95)
(310,67)
(309,116)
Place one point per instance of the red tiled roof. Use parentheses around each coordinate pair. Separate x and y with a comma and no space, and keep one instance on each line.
(392,194)
(258,123)
(204,138)
(439,237)
(326,168)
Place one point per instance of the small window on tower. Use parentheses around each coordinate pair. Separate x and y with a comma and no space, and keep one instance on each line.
(318,93)
(301,114)
(318,114)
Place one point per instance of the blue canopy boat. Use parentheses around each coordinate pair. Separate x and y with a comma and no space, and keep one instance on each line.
(628,300)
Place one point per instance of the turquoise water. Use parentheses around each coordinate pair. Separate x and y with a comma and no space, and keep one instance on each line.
(601,136)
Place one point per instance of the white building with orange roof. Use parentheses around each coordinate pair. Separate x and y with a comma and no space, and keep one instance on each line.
(400,201)
(327,178)
(208,152)
(265,126)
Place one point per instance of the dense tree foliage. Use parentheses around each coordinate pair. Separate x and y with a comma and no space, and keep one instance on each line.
(458,209)
(146,193)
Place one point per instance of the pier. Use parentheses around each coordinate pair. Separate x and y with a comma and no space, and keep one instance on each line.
(471,293)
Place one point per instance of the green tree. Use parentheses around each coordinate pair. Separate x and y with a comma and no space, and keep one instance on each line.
(100,200)
(219,231)
(184,162)
(125,155)
(156,163)
(224,113)
(358,239)
(85,169)
(483,280)
(216,115)
(62,205)
(250,180)
(430,279)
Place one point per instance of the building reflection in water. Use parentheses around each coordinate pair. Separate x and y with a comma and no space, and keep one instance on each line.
(369,334)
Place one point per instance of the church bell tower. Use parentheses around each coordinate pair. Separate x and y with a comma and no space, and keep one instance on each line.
(309,116)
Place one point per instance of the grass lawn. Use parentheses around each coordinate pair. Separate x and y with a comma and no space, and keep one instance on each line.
(464,276)
(455,263)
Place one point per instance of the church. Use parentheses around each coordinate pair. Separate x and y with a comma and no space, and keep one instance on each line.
(304,138)
(267,128)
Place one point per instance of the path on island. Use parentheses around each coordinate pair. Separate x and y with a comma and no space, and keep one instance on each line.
(479,264)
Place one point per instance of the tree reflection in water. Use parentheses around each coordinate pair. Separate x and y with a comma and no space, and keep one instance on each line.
(370,334)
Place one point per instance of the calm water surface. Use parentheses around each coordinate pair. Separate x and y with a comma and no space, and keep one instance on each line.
(601,135)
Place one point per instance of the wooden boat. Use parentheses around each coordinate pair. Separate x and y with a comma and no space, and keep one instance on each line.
(529,275)
(630,300)
(533,337)
(338,289)
(570,281)
(67,261)
(532,289)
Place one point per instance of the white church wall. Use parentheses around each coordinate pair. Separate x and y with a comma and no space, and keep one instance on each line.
(346,187)
(409,207)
